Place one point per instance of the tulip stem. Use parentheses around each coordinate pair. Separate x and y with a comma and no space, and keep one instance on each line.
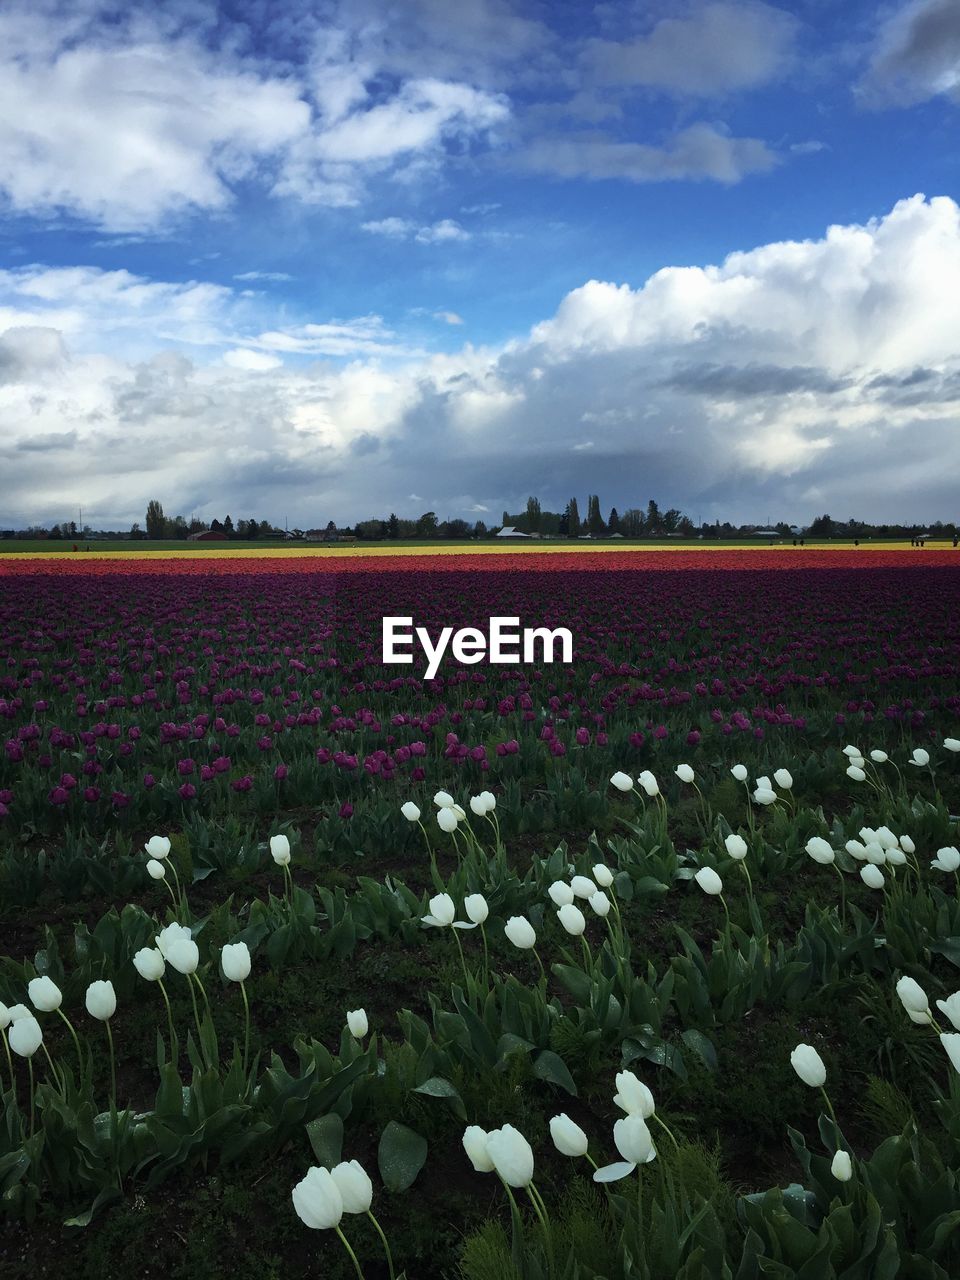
(668,1131)
(183,901)
(206,1002)
(173,896)
(196,1011)
(353,1256)
(30,1067)
(843,895)
(746,872)
(386,1246)
(174,1047)
(463,962)
(587,957)
(13,1078)
(486,957)
(53,1070)
(723,903)
(246,1027)
(540,1209)
(76,1042)
(287,884)
(830,1110)
(543,972)
(113,1064)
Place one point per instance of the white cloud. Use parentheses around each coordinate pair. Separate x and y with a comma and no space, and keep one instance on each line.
(916,55)
(442,232)
(448,317)
(266,276)
(823,367)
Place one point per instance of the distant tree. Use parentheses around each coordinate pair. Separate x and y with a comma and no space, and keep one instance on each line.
(370,530)
(506,519)
(136,533)
(822,527)
(653,521)
(393,526)
(533,515)
(216,526)
(253,529)
(427,525)
(228,527)
(196,525)
(595,523)
(613,524)
(573,519)
(155,522)
(480,529)
(455,528)
(180,528)
(55,532)
(686,526)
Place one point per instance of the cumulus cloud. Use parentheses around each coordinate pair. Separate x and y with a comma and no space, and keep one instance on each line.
(442,232)
(916,55)
(795,377)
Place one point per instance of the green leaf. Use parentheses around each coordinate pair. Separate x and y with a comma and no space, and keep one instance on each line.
(550,1067)
(326,1138)
(400,1157)
(702,1046)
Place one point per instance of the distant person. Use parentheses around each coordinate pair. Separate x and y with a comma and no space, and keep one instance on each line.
(802,542)
(856,542)
(794,542)
(956,540)
(75,546)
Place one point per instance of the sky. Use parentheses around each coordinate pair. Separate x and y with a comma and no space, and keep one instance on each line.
(327,260)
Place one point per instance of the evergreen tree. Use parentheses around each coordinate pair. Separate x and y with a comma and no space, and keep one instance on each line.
(594,518)
(155,522)
(573,519)
(533,515)
(613,524)
(393,526)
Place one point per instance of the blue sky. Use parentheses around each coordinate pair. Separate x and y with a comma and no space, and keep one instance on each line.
(321,261)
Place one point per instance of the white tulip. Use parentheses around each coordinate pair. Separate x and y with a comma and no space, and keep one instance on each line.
(447,820)
(410,811)
(280,850)
(949,1039)
(856,849)
(475,1145)
(784,779)
(952,744)
(156,870)
(622,781)
(736,847)
(600,903)
(354,1185)
(602,874)
(18,1011)
(357,1024)
(520,932)
(184,956)
(317,1200)
(235,960)
(913,997)
(808,1065)
(512,1156)
(873,852)
(168,936)
(852,751)
(879,757)
(764,783)
(684,773)
(947,859)
(632,1139)
(842,1166)
(149,963)
(896,857)
(633,1096)
(709,881)
(478,805)
(158,847)
(950,1008)
(763,795)
(649,783)
(920,758)
(820,850)
(572,919)
(25,1036)
(460,813)
(856,773)
(489,799)
(101,1000)
(560,893)
(476,907)
(444,800)
(739,771)
(907,845)
(442,911)
(886,839)
(568,1138)
(583,887)
(44,994)
(872,876)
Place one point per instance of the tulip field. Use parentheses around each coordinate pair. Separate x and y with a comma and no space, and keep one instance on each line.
(641,966)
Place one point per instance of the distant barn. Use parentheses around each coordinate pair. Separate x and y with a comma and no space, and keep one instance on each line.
(208,535)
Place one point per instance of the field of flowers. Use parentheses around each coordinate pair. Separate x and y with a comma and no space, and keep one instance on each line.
(646,966)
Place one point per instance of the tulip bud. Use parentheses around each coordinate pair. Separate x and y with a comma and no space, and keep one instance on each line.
(149,963)
(907,845)
(489,799)
(475,1145)
(603,875)
(235,960)
(101,1000)
(25,1036)
(952,744)
(896,857)
(872,876)
(476,908)
(600,903)
(632,1139)
(820,850)
(442,911)
(4,1016)
(317,1200)
(44,994)
(156,869)
(18,1011)
(447,820)
(808,1065)
(886,839)
(879,757)
(709,881)
(763,795)
(633,1096)
(951,1008)
(873,852)
(856,773)
(280,851)
(852,752)
(842,1166)
(568,1138)
(560,893)
(622,781)
(512,1156)
(410,811)
(572,919)
(583,887)
(920,758)
(783,778)
(444,800)
(478,805)
(184,955)
(856,849)
(949,1039)
(358,1027)
(459,812)
(736,846)
(739,771)
(649,783)
(168,936)
(158,847)
(355,1187)
(520,932)
(684,773)
(913,998)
